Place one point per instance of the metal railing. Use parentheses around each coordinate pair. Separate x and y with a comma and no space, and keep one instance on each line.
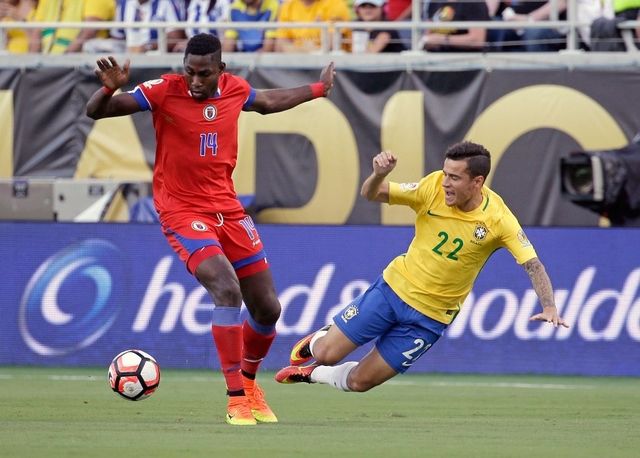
(330,32)
(627,30)
(331,36)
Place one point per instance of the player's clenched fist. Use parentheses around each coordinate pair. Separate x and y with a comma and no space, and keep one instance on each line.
(384,163)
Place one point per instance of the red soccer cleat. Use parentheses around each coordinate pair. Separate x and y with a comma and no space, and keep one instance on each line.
(296,374)
(301,351)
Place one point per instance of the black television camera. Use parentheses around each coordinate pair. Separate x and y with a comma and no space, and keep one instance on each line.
(606,182)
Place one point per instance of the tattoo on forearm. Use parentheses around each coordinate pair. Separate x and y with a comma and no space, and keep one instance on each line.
(540,281)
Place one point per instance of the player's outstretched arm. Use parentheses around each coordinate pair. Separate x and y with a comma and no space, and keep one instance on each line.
(102,103)
(375,187)
(275,100)
(542,286)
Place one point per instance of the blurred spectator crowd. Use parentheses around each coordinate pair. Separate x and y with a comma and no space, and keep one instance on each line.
(599,30)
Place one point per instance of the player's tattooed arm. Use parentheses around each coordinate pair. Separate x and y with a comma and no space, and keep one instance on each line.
(540,281)
(542,286)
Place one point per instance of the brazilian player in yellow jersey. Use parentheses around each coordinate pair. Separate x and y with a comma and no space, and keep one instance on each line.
(459,224)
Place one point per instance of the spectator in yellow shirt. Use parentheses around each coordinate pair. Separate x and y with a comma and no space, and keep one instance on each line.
(303,39)
(60,41)
(16,40)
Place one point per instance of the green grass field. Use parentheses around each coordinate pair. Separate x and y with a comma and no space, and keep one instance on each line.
(72,412)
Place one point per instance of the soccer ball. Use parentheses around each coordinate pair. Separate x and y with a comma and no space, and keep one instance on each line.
(134,375)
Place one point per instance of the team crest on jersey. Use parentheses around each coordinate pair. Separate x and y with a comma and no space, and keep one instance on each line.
(209,112)
(199,226)
(524,241)
(349,313)
(480,232)
(406,187)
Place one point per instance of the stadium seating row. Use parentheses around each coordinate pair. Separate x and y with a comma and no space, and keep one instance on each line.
(301,26)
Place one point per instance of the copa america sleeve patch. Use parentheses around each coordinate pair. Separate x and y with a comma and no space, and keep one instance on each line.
(406,187)
(522,237)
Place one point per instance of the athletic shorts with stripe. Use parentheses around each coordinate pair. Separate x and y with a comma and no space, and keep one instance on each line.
(195,237)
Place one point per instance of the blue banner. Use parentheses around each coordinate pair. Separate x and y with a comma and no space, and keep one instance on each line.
(78,294)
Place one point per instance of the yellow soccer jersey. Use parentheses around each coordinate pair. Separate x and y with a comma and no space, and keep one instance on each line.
(56,41)
(317,11)
(17,40)
(450,246)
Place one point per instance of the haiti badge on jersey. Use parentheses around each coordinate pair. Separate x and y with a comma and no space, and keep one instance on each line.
(209,112)
(349,313)
(524,241)
(199,226)
(480,232)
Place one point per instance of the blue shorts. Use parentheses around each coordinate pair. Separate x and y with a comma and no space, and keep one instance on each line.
(403,333)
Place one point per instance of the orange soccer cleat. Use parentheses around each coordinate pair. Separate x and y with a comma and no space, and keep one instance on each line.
(301,351)
(259,407)
(296,374)
(239,411)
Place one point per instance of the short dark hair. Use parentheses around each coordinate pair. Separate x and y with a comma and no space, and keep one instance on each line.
(203,44)
(477,156)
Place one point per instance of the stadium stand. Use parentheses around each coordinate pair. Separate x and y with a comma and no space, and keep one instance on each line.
(569,26)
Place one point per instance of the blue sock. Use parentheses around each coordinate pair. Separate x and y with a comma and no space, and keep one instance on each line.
(225,316)
(264,329)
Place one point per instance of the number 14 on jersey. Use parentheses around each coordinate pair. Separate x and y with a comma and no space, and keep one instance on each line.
(209,141)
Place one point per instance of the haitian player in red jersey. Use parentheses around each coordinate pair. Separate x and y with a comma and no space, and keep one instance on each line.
(195,116)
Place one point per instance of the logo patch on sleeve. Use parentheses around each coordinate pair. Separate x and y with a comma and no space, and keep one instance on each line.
(523,239)
(406,187)
(149,84)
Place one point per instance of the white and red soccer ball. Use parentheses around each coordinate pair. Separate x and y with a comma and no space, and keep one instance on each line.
(134,375)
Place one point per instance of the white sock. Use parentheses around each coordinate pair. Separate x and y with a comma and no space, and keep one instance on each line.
(316,336)
(335,376)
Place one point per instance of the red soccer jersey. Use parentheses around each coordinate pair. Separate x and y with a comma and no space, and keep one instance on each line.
(196,143)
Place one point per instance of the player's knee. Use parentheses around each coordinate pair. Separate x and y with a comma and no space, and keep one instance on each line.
(271,309)
(226,294)
(222,285)
(222,292)
(271,316)
(267,315)
(265,309)
(324,354)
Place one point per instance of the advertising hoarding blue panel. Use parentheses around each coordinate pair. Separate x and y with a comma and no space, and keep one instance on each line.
(77,294)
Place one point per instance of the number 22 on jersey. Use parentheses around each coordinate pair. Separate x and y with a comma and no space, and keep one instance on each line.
(457,242)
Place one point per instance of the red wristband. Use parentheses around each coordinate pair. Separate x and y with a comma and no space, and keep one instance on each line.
(108,91)
(317,89)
